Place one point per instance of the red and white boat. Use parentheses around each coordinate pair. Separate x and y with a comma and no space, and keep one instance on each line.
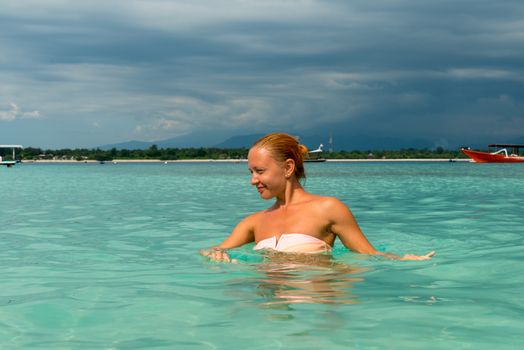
(500,156)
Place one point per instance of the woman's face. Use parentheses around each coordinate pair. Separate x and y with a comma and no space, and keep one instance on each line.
(267,174)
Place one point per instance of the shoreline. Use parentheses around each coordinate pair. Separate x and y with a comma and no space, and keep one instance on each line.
(467,160)
(131,161)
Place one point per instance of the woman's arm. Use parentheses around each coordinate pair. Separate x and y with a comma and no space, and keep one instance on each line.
(243,233)
(344,225)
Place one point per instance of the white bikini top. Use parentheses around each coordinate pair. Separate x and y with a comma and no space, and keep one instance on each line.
(294,243)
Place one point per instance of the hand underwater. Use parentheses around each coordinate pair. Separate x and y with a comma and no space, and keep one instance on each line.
(218,255)
(418,257)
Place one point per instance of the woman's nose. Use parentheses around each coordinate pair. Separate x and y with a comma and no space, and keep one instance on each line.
(254,179)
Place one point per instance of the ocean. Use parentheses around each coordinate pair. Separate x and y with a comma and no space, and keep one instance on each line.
(106,257)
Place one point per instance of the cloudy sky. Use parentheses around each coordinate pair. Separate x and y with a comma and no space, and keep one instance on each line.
(84,73)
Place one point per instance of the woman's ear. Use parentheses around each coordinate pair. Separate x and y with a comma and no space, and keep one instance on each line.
(289,168)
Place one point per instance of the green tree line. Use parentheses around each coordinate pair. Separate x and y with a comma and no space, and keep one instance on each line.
(153,152)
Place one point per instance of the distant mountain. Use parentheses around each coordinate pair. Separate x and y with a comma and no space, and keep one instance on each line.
(184,141)
(127,145)
(190,140)
(350,142)
(346,142)
(340,142)
(239,141)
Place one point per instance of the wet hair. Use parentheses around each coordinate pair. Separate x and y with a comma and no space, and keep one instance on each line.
(283,146)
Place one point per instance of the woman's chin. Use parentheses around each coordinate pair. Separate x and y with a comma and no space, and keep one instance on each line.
(266,195)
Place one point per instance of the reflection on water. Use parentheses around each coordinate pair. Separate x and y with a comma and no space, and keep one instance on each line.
(287,279)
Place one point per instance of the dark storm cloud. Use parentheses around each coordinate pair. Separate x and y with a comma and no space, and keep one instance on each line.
(447,71)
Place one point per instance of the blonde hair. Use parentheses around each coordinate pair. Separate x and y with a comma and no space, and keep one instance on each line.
(284,146)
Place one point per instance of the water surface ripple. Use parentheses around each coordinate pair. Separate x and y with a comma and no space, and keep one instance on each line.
(105,257)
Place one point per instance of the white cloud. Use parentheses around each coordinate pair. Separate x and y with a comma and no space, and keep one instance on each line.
(161,68)
(179,115)
(162,127)
(31,115)
(191,15)
(14,112)
(484,73)
(11,113)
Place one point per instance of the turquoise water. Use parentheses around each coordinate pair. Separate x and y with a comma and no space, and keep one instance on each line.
(105,257)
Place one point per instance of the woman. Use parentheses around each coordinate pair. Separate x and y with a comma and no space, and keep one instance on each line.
(298,221)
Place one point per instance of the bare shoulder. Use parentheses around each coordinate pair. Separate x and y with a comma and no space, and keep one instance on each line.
(332,209)
(330,203)
(254,219)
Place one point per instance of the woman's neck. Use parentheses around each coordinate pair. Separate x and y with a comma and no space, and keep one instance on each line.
(291,193)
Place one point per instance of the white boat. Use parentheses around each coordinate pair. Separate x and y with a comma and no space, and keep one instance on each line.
(316,155)
(9,163)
